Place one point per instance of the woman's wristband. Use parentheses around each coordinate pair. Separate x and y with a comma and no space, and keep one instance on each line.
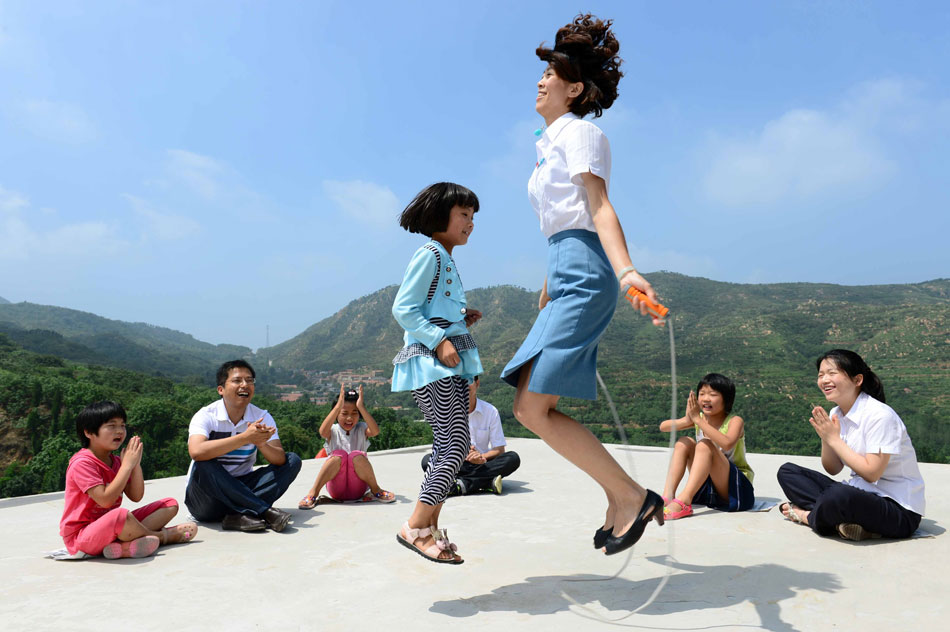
(624,271)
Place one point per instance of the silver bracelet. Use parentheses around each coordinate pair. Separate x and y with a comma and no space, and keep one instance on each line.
(624,271)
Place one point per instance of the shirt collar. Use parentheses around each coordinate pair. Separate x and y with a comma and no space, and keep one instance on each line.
(555,128)
(221,412)
(479,407)
(855,413)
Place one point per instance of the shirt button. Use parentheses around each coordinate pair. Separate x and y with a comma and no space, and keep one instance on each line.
(463,310)
(448,268)
(447,293)
(448,281)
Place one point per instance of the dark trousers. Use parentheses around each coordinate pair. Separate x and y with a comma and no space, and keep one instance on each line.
(477,478)
(832,503)
(213,493)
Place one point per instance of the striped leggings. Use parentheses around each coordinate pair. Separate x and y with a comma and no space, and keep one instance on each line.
(444,404)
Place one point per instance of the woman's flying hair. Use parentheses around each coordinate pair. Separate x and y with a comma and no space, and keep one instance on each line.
(586,51)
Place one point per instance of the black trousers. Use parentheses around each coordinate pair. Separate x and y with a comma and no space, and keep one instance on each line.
(478,478)
(832,503)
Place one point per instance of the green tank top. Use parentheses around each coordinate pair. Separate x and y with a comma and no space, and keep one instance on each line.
(737,454)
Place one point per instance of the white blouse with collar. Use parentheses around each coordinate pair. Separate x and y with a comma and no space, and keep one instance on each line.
(568,148)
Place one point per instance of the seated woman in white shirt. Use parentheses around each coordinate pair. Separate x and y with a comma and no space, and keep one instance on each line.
(884,495)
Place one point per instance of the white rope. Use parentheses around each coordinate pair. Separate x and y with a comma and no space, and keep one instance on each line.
(591,614)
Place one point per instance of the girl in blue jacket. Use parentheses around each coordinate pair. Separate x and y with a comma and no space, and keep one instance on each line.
(439,358)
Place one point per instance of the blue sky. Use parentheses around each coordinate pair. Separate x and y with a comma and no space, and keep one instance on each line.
(222,167)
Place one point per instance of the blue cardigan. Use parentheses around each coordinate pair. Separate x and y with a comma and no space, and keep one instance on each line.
(431,295)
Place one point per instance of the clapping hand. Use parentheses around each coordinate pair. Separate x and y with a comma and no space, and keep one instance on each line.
(131,454)
(692,408)
(827,428)
(258,433)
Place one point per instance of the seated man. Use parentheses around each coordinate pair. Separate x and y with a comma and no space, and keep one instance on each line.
(223,441)
(487,462)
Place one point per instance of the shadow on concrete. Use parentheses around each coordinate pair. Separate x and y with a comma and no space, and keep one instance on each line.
(931,527)
(612,600)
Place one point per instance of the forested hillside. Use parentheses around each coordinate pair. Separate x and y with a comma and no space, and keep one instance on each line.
(764,336)
(85,337)
(40,396)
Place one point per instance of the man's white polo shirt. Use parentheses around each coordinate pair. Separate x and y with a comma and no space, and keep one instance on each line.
(212,422)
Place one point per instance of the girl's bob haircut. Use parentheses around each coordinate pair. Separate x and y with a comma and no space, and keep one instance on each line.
(722,385)
(429,211)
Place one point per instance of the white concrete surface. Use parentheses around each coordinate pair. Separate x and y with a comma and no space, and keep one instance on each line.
(339,567)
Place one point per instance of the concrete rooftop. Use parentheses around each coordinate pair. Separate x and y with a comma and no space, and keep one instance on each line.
(339,567)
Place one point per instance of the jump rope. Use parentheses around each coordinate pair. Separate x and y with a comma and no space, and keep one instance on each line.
(661,312)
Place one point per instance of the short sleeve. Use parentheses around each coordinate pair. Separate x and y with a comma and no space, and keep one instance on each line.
(496,435)
(882,433)
(199,424)
(85,474)
(586,150)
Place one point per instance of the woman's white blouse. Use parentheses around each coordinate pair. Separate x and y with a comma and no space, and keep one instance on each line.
(568,148)
(871,427)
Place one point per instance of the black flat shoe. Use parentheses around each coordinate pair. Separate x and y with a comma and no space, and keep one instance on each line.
(600,537)
(628,539)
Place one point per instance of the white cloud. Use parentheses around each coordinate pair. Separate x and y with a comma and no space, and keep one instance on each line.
(55,120)
(800,155)
(20,240)
(842,151)
(201,173)
(164,226)
(369,203)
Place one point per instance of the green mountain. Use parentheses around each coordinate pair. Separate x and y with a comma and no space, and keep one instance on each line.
(84,337)
(40,396)
(765,336)
(4,301)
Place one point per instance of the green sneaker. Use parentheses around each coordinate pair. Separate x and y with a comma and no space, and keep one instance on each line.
(496,485)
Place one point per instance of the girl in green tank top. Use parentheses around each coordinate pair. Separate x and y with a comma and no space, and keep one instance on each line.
(719,475)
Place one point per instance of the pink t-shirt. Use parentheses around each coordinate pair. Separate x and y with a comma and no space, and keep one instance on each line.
(85,471)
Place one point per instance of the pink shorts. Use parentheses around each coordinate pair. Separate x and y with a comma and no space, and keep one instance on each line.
(94,537)
(346,485)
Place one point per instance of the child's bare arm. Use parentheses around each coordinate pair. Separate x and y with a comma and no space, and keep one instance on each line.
(727,441)
(332,415)
(683,423)
(372,428)
(106,495)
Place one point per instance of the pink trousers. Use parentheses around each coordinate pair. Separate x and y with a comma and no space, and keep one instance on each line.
(94,537)
(346,485)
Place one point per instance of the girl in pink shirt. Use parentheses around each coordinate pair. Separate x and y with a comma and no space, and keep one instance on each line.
(93,521)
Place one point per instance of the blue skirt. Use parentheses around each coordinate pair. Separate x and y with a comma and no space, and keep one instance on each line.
(563,340)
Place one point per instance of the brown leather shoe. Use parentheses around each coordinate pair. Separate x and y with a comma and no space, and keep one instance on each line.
(276,519)
(242,522)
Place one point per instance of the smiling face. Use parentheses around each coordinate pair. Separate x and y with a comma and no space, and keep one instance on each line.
(710,402)
(109,437)
(838,386)
(238,389)
(460,226)
(349,416)
(555,95)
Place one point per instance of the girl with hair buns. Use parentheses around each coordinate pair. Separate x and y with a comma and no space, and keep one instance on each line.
(884,495)
(588,262)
